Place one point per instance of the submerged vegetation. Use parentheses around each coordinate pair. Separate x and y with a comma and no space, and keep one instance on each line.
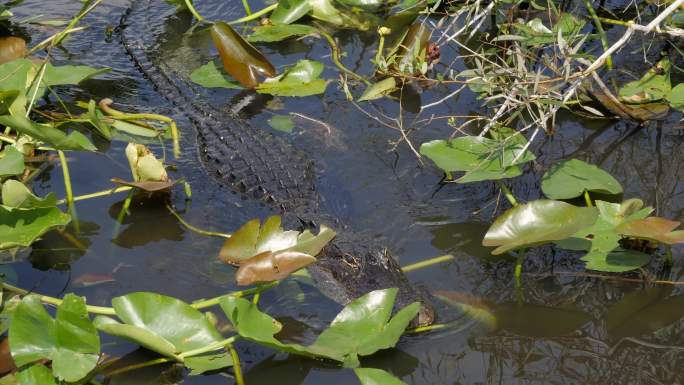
(526,62)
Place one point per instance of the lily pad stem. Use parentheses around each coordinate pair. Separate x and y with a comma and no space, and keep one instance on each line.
(195,229)
(191,8)
(255,15)
(97,194)
(237,368)
(243,293)
(507,193)
(423,329)
(518,270)
(67,178)
(105,106)
(157,361)
(335,55)
(600,30)
(245,4)
(427,263)
(209,348)
(587,199)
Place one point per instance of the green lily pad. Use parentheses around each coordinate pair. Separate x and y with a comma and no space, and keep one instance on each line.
(35,375)
(11,162)
(377,90)
(70,340)
(535,223)
(372,376)
(282,123)
(571,178)
(211,76)
(48,134)
(22,227)
(481,158)
(165,325)
(289,11)
(362,328)
(653,228)
(676,97)
(300,80)
(16,195)
(653,86)
(279,32)
(7,98)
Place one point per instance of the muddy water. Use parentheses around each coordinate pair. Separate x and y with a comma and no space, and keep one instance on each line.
(572,328)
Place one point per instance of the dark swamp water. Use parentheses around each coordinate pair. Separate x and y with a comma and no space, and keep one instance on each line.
(571,329)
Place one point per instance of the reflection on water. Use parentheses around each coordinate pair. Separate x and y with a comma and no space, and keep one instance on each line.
(568,328)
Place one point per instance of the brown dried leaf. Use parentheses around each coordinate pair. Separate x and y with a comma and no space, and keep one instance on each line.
(149,186)
(654,228)
(12,48)
(267,267)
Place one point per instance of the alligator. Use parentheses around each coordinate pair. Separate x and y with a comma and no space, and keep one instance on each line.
(254,163)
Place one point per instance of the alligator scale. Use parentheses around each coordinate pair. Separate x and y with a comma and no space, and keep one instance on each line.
(260,166)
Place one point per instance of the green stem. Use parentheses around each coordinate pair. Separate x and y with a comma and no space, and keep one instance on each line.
(116,114)
(195,229)
(518,269)
(97,194)
(237,368)
(208,348)
(601,31)
(255,15)
(427,263)
(507,193)
(56,301)
(215,301)
(335,54)
(67,178)
(587,199)
(668,255)
(141,365)
(245,4)
(256,298)
(428,328)
(191,8)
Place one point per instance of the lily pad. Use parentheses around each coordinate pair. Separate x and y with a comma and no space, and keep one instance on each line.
(362,328)
(535,223)
(11,162)
(279,32)
(643,311)
(481,158)
(571,178)
(282,123)
(35,375)
(372,376)
(289,11)
(653,86)
(211,76)
(147,318)
(253,239)
(539,321)
(241,60)
(269,266)
(22,227)
(300,80)
(377,90)
(48,134)
(676,97)
(70,340)
(653,228)
(16,195)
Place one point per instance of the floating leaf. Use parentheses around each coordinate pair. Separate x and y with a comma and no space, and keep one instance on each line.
(253,239)
(279,32)
(676,96)
(148,318)
(36,375)
(371,376)
(211,76)
(269,266)
(22,227)
(377,90)
(538,321)
(643,311)
(481,158)
(7,98)
(148,186)
(362,328)
(12,48)
(70,341)
(289,11)
(571,178)
(69,74)
(145,167)
(16,195)
(282,123)
(300,80)
(535,223)
(653,228)
(48,134)
(653,86)
(11,162)
(240,59)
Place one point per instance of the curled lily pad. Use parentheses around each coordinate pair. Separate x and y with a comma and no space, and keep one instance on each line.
(253,239)
(16,195)
(70,340)
(241,60)
(145,167)
(653,228)
(269,266)
(481,158)
(571,178)
(372,376)
(535,223)
(302,79)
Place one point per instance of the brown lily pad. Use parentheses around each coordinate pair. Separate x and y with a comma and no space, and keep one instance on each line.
(653,228)
(268,266)
(149,186)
